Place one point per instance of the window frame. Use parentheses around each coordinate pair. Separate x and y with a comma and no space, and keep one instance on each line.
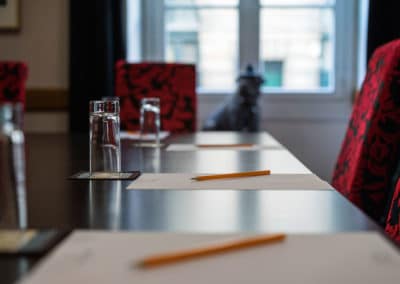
(345,58)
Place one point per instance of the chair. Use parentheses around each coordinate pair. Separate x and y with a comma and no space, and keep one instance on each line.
(392,225)
(371,147)
(13,76)
(174,84)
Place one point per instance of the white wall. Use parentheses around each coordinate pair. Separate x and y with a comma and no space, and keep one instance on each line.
(42,42)
(315,143)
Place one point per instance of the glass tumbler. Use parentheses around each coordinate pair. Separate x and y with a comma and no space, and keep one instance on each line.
(104,137)
(150,120)
(13,208)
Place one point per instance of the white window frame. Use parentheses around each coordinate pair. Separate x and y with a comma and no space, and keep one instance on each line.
(335,103)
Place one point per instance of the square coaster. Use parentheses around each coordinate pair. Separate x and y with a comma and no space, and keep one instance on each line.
(105,176)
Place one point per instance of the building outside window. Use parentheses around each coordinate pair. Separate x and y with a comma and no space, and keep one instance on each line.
(293,43)
(273,73)
(215,27)
(301,35)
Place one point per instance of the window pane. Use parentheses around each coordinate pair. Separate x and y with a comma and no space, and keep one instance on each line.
(199,36)
(203,2)
(297,2)
(300,43)
(273,70)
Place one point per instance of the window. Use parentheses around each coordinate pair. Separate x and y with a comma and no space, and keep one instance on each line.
(297,45)
(213,43)
(273,72)
(301,33)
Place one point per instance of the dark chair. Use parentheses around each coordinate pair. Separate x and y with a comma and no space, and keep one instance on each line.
(371,147)
(174,84)
(13,76)
(392,225)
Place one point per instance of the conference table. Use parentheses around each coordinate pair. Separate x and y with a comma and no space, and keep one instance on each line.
(54,201)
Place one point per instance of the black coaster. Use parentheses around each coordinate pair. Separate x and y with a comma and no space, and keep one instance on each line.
(105,176)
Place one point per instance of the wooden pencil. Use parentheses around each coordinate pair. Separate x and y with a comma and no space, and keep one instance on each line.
(232,175)
(173,257)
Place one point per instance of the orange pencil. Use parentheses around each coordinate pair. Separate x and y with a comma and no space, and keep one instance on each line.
(173,257)
(224,145)
(233,175)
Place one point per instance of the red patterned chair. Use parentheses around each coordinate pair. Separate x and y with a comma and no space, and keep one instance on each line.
(13,77)
(370,150)
(174,84)
(392,226)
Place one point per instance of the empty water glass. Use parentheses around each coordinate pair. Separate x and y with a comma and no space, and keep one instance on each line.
(105,147)
(13,209)
(150,120)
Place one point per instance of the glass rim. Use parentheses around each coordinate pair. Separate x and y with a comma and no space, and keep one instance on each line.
(150,99)
(6,111)
(12,112)
(109,98)
(109,101)
(104,106)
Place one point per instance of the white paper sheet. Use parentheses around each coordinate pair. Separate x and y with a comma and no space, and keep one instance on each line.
(227,137)
(133,135)
(192,147)
(184,181)
(104,257)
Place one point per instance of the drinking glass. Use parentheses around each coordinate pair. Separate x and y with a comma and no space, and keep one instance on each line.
(105,205)
(104,136)
(13,208)
(150,120)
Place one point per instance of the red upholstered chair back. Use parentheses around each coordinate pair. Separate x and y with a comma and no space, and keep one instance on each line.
(370,150)
(174,84)
(13,77)
(392,226)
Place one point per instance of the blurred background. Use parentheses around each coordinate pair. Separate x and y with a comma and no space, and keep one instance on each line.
(311,53)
